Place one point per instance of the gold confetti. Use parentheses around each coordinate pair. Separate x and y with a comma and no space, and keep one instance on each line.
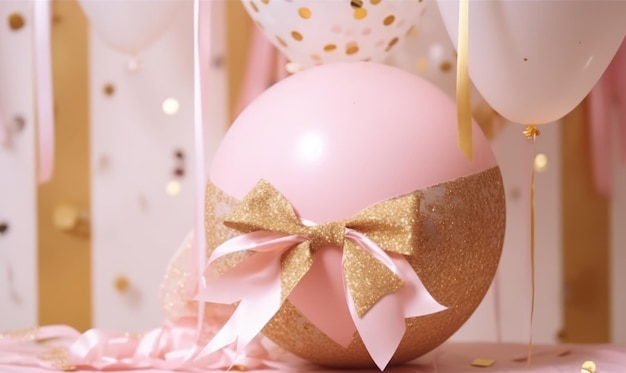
(588,367)
(304,13)
(483,363)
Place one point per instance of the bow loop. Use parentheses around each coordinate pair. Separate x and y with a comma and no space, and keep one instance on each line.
(392,224)
(264,209)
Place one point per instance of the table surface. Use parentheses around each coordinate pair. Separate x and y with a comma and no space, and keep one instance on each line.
(458,357)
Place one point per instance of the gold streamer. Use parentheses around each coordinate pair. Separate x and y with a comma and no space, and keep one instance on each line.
(463,100)
(531,132)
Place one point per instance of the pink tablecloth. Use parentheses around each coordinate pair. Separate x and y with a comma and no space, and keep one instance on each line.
(457,358)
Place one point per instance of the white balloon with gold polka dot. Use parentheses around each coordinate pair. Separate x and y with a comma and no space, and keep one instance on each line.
(313,32)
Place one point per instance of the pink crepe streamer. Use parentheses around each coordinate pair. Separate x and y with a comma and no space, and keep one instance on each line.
(45,102)
(608,94)
(255,283)
(258,73)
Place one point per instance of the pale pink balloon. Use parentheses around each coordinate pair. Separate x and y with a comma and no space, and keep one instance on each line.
(340,137)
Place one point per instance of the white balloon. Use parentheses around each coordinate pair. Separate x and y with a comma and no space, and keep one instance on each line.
(130,25)
(534,61)
(312,32)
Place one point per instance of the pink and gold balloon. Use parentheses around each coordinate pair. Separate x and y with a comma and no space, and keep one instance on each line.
(312,32)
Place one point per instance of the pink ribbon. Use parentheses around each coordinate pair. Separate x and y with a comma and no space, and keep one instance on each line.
(608,94)
(166,348)
(256,284)
(45,94)
(258,73)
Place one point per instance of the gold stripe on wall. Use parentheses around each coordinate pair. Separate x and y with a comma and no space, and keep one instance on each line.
(239,27)
(63,203)
(586,242)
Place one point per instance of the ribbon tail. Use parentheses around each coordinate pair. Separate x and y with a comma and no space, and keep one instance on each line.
(381,328)
(241,327)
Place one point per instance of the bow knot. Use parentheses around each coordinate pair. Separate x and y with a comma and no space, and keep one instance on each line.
(332,233)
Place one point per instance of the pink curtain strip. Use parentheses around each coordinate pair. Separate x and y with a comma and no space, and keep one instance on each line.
(606,98)
(45,103)
(258,73)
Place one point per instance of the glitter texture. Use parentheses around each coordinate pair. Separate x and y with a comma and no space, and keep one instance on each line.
(453,243)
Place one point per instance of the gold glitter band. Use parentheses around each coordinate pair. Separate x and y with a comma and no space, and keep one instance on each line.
(456,254)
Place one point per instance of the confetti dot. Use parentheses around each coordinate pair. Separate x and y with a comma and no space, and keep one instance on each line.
(329,47)
(254,7)
(296,35)
(173,188)
(445,66)
(525,59)
(304,13)
(16,21)
(421,65)
(392,42)
(360,13)
(4,227)
(352,48)
(109,89)
(541,162)
(315,57)
(389,20)
(170,106)
(356,3)
(265,1)
(374,2)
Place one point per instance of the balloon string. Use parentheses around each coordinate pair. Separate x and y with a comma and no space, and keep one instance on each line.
(45,102)
(199,234)
(531,132)
(463,100)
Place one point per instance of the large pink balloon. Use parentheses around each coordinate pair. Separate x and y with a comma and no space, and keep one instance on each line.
(340,137)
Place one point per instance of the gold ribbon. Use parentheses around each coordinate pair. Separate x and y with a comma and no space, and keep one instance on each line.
(463,99)
(392,225)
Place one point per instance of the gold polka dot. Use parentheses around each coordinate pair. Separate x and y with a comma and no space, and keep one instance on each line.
(281,41)
(389,20)
(356,3)
(253,6)
(16,21)
(265,1)
(296,35)
(360,13)
(445,66)
(304,13)
(109,89)
(374,2)
(315,57)
(352,48)
(421,65)
(392,42)
(329,47)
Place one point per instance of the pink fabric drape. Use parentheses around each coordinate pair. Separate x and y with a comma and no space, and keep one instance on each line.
(607,98)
